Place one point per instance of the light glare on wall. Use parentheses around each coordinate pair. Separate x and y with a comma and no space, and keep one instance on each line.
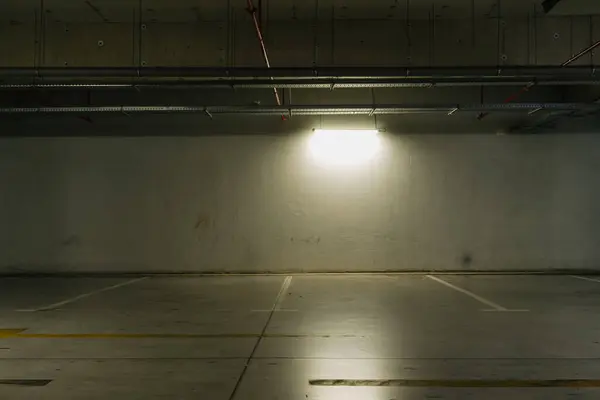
(344,147)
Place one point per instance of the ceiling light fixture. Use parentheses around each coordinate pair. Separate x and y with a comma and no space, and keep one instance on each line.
(344,147)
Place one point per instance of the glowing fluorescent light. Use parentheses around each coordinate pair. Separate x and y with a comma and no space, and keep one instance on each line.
(344,147)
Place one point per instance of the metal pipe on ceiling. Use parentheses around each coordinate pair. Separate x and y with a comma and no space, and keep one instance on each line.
(296,72)
(528,86)
(324,83)
(580,54)
(255,79)
(257,26)
(369,109)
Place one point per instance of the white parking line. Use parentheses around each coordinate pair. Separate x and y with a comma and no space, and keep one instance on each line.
(281,295)
(585,278)
(285,285)
(495,307)
(83,296)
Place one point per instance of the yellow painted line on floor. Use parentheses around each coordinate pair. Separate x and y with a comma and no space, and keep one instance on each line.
(130,336)
(19,334)
(11,332)
(463,383)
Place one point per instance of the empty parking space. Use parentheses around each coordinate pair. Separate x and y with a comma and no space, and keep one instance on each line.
(354,336)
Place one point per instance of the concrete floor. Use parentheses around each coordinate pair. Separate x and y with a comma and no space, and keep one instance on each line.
(401,337)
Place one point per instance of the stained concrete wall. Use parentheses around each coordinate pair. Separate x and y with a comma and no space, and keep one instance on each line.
(261,203)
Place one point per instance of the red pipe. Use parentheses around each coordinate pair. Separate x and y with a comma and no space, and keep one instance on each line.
(252,11)
(526,88)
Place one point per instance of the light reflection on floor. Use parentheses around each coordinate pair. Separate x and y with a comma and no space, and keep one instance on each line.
(183,338)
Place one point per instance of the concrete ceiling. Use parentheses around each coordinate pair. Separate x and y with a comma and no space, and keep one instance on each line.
(572,7)
(194,10)
(465,36)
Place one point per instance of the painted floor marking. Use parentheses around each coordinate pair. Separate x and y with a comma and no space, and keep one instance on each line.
(281,295)
(11,332)
(25,382)
(495,306)
(19,334)
(585,278)
(463,383)
(276,306)
(83,296)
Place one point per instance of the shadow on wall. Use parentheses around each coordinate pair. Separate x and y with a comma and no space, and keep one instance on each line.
(197,125)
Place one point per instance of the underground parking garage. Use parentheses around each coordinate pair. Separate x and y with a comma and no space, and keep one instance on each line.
(328,199)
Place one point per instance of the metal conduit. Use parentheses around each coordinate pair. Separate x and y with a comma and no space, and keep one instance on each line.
(263,46)
(388,109)
(531,84)
(327,78)
(330,84)
(294,72)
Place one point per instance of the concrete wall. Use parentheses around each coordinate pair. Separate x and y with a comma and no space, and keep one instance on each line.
(261,203)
